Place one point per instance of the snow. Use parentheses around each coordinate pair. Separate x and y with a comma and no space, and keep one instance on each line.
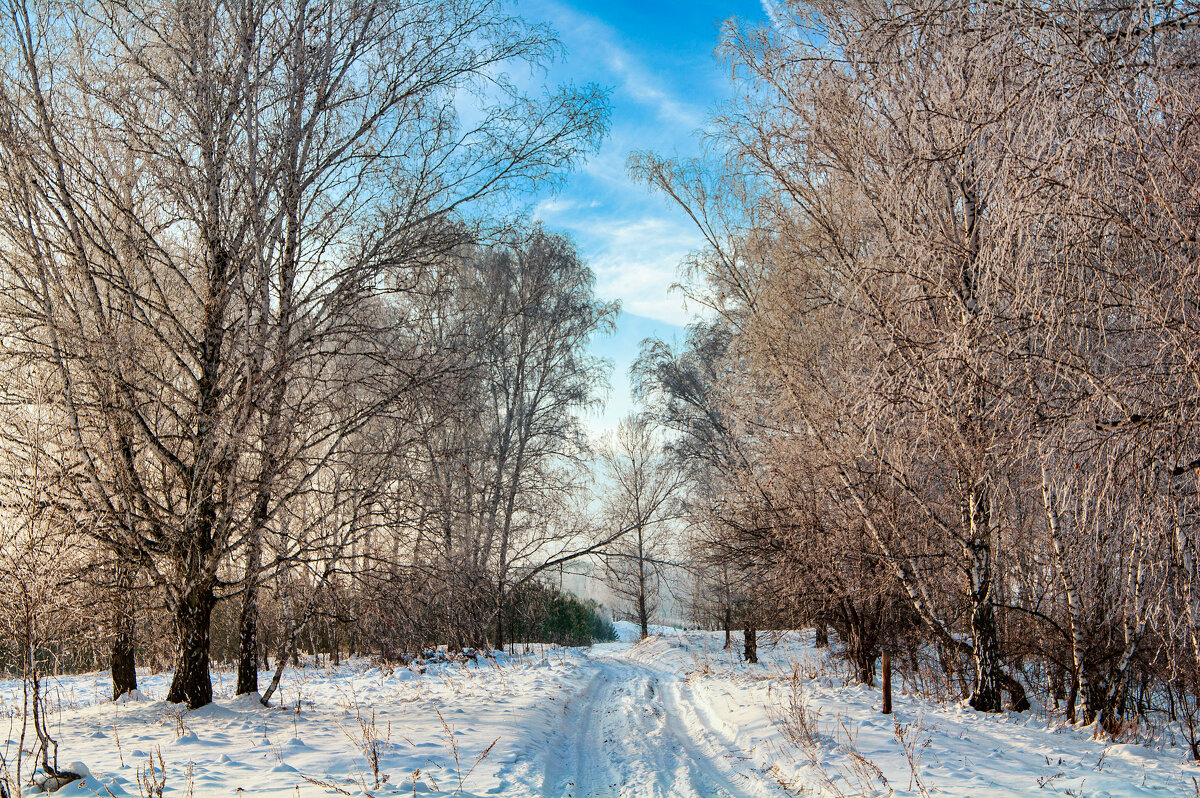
(673,715)
(629,632)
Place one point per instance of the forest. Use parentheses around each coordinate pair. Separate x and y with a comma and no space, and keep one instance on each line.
(288,370)
(945,404)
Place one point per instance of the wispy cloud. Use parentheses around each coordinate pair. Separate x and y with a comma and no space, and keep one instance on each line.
(635,254)
(633,80)
(633,240)
(664,84)
(771,9)
(639,264)
(639,84)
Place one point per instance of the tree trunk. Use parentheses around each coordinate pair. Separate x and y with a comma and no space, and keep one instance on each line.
(287,641)
(124,663)
(1093,701)
(1078,644)
(192,682)
(751,649)
(287,649)
(822,635)
(1102,702)
(865,661)
(1109,704)
(860,651)
(643,613)
(985,653)
(247,681)
(728,625)
(887,683)
(643,616)
(1072,698)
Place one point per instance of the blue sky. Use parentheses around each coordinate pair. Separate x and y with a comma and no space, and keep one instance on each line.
(656,59)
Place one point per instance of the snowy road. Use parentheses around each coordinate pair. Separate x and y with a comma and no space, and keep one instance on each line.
(637,731)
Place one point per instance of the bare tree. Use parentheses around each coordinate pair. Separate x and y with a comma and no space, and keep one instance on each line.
(190,231)
(537,376)
(41,592)
(945,242)
(486,464)
(642,497)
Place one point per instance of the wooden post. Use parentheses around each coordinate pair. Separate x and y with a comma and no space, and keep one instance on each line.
(887,684)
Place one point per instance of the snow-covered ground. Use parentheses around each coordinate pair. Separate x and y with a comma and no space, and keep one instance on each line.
(671,717)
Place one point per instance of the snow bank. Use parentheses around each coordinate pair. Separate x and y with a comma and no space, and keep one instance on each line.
(629,632)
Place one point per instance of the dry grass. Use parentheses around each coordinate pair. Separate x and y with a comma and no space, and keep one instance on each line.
(913,743)
(452,744)
(371,742)
(152,781)
(833,763)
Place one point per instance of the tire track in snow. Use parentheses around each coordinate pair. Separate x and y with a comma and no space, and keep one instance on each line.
(633,733)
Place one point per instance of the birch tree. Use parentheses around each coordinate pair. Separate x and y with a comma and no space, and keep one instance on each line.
(642,497)
(196,196)
(537,377)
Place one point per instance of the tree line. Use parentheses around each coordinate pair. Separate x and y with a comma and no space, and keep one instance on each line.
(281,367)
(944,401)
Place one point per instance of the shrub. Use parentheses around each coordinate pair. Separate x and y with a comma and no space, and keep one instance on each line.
(540,614)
